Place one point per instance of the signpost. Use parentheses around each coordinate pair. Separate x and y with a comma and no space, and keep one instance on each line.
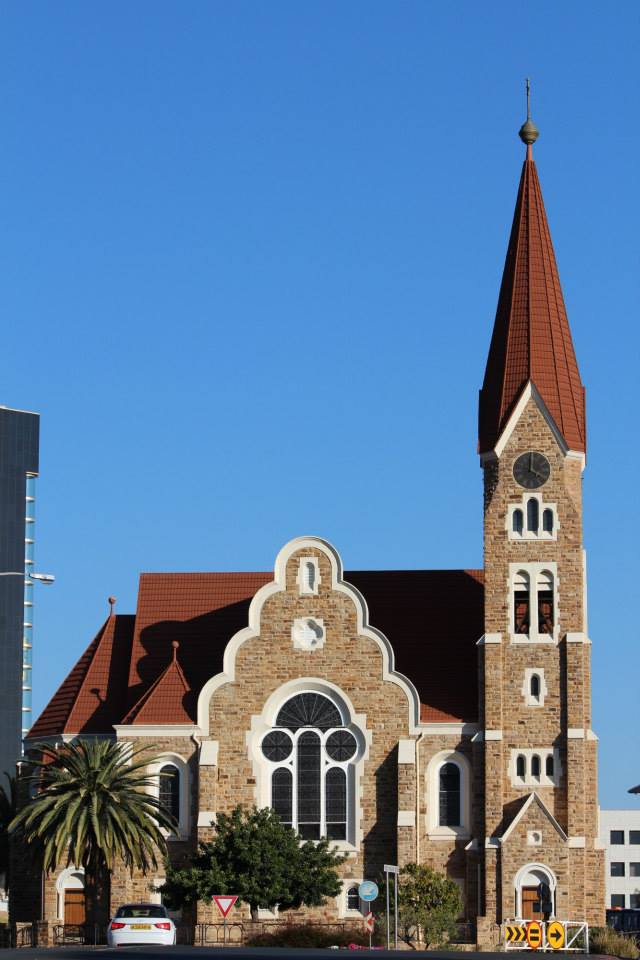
(224,905)
(390,869)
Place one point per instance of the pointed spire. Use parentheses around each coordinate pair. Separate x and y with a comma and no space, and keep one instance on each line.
(531,337)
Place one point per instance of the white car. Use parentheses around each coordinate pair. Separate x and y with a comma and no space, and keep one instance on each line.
(141,923)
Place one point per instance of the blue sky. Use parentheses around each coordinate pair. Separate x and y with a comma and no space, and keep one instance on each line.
(251,256)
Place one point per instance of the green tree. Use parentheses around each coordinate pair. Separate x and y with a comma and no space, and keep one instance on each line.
(428,905)
(90,807)
(254,856)
(7,813)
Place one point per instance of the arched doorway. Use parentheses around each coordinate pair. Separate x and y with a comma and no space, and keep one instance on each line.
(71,903)
(535,892)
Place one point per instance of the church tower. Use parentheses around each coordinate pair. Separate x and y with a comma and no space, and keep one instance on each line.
(541,851)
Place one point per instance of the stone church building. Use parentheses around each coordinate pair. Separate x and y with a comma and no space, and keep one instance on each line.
(439,717)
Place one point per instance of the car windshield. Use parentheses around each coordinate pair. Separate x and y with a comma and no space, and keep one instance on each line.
(134,910)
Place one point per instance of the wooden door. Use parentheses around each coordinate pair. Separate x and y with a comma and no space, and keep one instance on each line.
(531,904)
(74,906)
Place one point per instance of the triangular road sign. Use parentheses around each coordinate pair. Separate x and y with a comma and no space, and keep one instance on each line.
(224,904)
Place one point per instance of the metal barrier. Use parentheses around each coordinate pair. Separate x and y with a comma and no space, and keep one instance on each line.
(562,936)
(23,935)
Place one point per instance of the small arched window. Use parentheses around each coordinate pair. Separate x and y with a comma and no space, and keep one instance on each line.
(309,576)
(534,686)
(547,521)
(169,791)
(549,766)
(353,899)
(449,795)
(521,766)
(535,766)
(521,614)
(533,515)
(517,522)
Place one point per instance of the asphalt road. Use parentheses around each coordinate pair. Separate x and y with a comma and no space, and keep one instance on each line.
(243,953)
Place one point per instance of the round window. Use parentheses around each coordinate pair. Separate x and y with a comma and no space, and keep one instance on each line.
(277,746)
(341,745)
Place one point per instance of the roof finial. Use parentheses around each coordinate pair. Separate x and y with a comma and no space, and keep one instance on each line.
(175,645)
(112,604)
(528,131)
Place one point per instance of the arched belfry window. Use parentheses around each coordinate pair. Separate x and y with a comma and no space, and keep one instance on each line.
(311,753)
(449,795)
(169,790)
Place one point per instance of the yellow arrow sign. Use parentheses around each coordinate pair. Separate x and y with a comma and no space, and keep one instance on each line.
(555,935)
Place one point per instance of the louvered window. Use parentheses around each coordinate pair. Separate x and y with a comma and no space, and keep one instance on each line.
(311,753)
(521,602)
(545,602)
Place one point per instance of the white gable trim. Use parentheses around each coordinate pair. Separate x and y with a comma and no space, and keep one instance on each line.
(533,798)
(277,585)
(530,392)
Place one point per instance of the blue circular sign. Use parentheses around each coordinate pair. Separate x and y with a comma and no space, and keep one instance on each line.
(368,890)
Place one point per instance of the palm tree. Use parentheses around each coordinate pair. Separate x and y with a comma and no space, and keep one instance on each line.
(91,807)
(7,813)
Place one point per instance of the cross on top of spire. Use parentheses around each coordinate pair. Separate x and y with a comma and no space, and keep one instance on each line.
(528,132)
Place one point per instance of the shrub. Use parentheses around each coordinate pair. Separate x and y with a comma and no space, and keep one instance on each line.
(310,935)
(610,941)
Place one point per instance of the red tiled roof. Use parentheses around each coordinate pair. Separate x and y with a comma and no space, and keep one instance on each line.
(95,690)
(531,336)
(128,674)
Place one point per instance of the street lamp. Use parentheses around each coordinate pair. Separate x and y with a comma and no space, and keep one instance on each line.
(41,577)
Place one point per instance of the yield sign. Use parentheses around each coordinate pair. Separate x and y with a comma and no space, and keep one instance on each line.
(224,904)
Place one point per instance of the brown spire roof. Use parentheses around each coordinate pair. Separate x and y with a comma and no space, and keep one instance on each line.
(531,337)
(165,698)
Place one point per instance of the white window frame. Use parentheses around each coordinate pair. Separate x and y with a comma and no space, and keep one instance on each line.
(434,830)
(534,571)
(344,911)
(529,780)
(303,587)
(175,760)
(352,721)
(529,699)
(529,535)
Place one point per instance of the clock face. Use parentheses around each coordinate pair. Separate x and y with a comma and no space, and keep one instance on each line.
(531,470)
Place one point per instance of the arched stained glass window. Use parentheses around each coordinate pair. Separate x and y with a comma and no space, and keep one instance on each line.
(535,766)
(336,803)
(533,515)
(309,710)
(547,521)
(169,790)
(309,786)
(450,795)
(549,766)
(282,794)
(310,757)
(521,766)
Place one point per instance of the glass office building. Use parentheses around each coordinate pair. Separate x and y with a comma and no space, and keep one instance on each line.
(19,443)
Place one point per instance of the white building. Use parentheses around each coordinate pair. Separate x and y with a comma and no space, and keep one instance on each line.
(620,833)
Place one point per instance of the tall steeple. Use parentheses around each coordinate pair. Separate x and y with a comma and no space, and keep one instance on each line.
(531,337)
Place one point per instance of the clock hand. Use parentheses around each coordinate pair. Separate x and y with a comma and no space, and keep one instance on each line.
(531,470)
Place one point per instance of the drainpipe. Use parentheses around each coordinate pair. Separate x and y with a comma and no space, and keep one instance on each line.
(418,742)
